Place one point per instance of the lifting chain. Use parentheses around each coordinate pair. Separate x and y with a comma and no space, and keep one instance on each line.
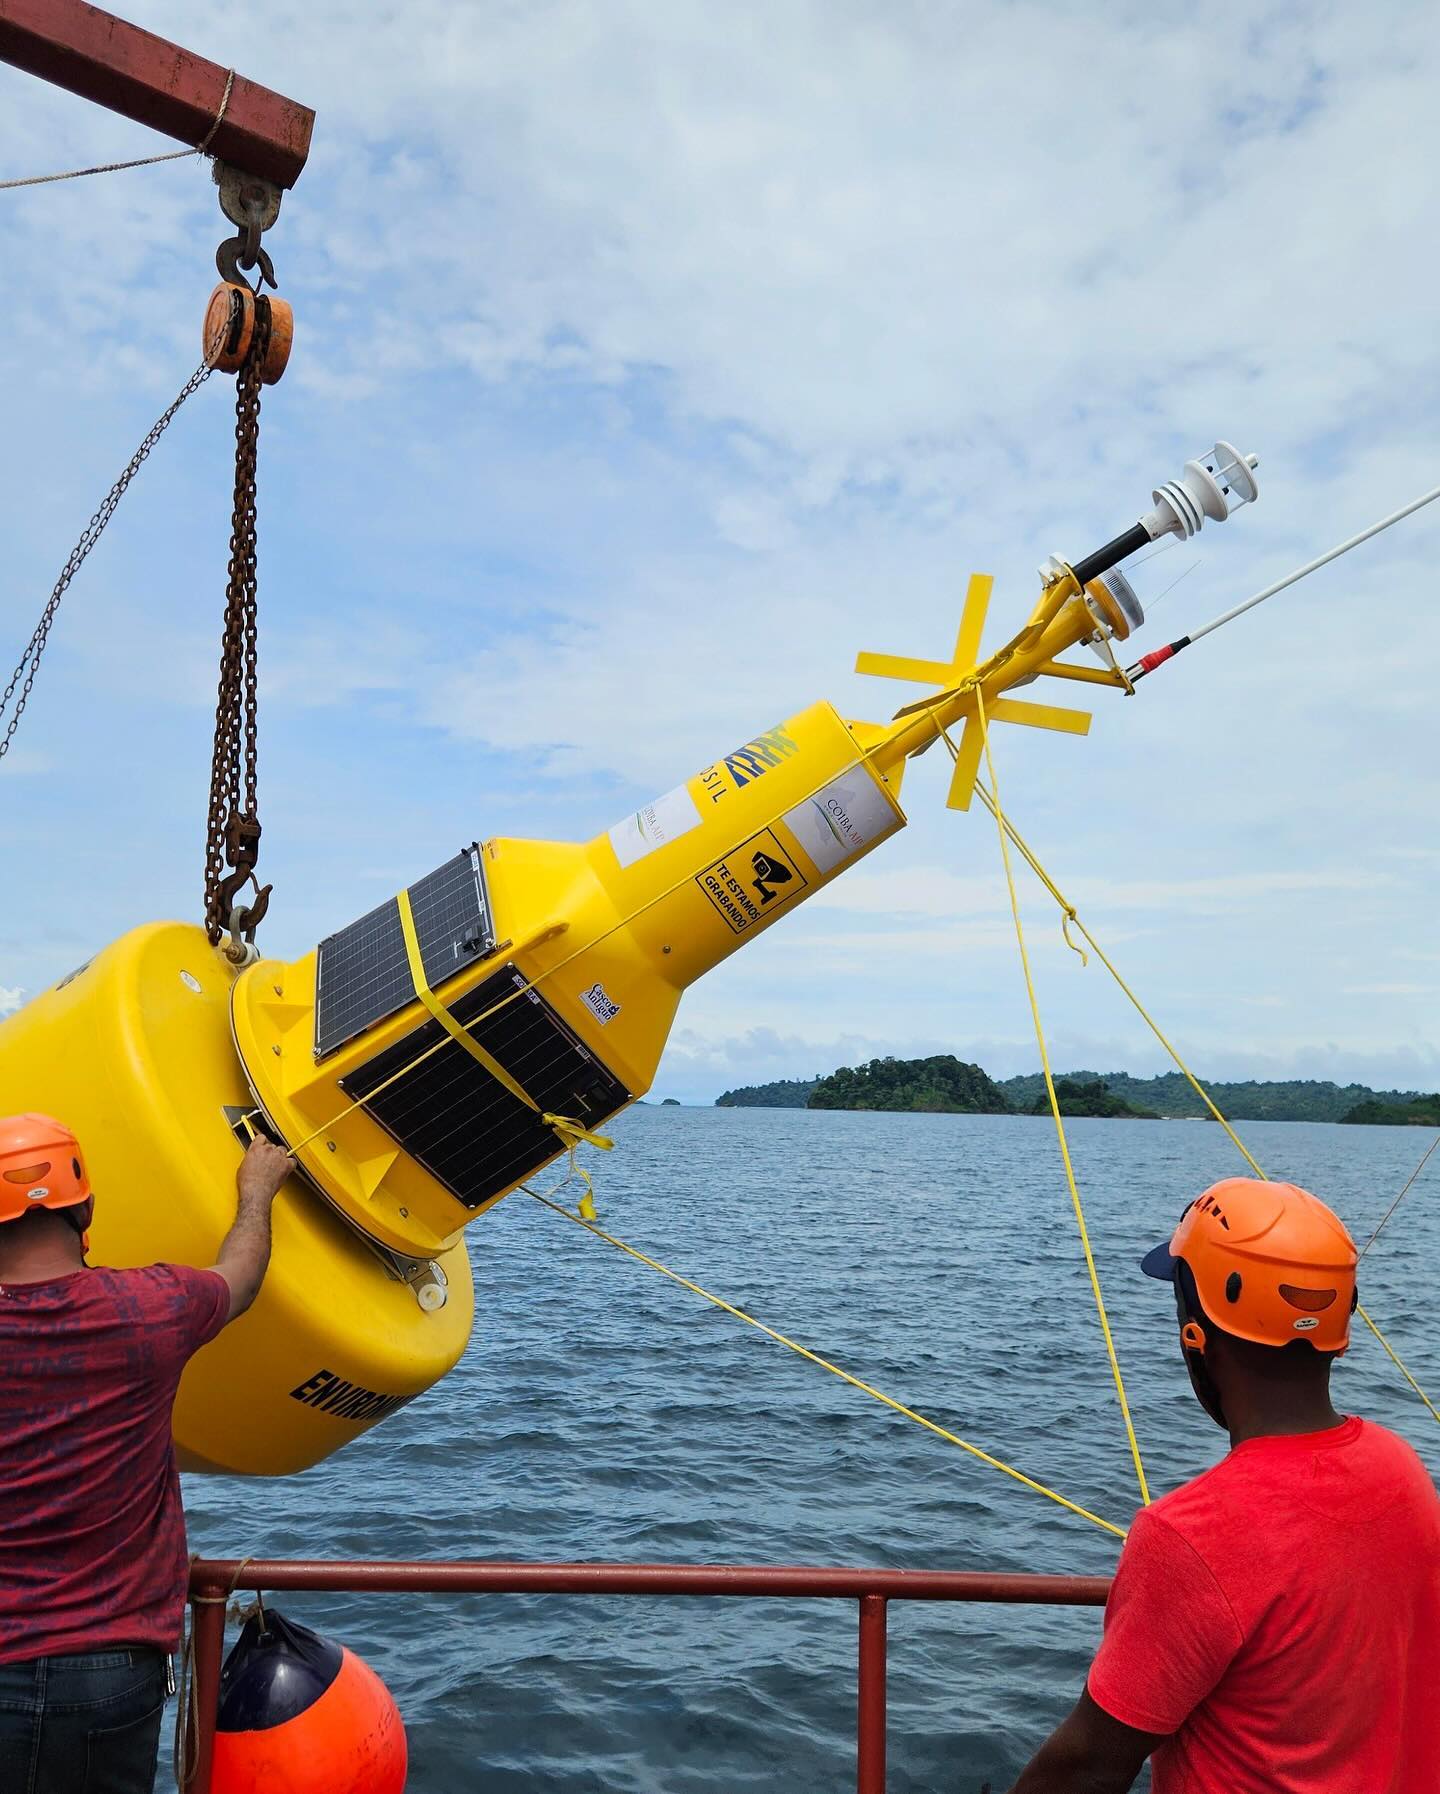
(23,678)
(233,833)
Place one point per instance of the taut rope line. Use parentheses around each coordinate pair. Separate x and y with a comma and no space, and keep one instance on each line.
(74,174)
(1071,916)
(1401,1197)
(1395,1360)
(1055,1104)
(845,1376)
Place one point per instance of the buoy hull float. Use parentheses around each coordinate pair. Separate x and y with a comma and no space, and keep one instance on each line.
(155,1051)
(564,962)
(135,1050)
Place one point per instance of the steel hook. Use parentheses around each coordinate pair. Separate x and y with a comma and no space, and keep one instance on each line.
(245,251)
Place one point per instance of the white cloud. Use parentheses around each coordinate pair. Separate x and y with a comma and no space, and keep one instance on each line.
(11,997)
(933,891)
(653,360)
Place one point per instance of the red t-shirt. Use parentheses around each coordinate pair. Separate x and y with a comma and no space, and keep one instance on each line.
(92,1538)
(1280,1618)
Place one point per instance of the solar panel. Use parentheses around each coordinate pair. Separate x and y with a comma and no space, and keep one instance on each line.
(461,1123)
(363,974)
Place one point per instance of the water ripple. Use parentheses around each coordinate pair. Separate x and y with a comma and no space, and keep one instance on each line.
(602,1414)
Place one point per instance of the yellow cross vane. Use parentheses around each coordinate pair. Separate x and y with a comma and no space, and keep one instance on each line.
(947,674)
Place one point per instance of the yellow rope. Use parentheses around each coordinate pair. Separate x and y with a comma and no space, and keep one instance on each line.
(1071,916)
(1008,829)
(814,1358)
(1395,1358)
(1055,1105)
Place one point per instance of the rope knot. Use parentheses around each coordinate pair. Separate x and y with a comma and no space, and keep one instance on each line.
(1074,946)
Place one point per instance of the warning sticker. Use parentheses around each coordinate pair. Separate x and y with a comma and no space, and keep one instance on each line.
(751,883)
(656,825)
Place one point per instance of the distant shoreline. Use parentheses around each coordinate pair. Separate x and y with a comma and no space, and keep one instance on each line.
(944,1084)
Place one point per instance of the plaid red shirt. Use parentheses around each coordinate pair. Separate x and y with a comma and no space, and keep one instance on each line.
(92,1537)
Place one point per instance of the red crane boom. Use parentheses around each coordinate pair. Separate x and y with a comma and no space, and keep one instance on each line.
(157,83)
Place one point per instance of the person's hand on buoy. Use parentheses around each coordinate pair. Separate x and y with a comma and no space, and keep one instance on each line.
(263,1169)
(245,1250)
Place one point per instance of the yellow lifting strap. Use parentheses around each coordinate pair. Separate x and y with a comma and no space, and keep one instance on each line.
(571,1133)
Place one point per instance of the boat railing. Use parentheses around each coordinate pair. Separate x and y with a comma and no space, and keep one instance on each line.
(213,1581)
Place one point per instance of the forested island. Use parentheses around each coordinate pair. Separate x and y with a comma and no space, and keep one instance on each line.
(1172,1094)
(943,1085)
(940,1085)
(1074,1097)
(947,1085)
(1418,1111)
(787,1093)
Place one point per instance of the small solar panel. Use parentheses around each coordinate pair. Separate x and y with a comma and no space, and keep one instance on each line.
(363,974)
(459,1121)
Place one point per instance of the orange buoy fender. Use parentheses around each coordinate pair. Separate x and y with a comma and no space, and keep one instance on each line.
(300,1714)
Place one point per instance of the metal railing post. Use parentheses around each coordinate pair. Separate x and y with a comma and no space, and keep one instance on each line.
(870,1737)
(207,1629)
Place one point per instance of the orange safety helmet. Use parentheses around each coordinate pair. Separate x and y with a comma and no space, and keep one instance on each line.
(1268,1262)
(40,1166)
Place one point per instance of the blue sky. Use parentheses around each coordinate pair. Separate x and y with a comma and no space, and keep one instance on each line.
(650,361)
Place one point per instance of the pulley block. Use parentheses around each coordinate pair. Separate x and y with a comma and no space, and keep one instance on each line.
(230,328)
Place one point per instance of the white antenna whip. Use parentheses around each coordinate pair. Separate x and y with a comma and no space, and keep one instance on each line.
(1148,662)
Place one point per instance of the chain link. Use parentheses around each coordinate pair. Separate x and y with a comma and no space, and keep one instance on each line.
(233,826)
(29,663)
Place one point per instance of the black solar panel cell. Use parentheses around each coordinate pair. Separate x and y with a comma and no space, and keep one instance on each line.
(457,1119)
(363,973)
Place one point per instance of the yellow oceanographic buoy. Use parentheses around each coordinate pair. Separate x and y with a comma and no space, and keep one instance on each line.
(425,1060)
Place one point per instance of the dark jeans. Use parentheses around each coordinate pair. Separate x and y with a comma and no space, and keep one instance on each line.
(87,1724)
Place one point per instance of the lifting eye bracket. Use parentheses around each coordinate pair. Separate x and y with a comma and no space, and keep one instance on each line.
(253,204)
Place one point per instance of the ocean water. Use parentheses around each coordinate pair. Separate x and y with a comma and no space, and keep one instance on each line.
(602,1413)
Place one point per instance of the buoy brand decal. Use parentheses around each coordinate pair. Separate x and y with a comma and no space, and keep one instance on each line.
(1305,1325)
(758,756)
(748,763)
(346,1401)
(599,1004)
(751,883)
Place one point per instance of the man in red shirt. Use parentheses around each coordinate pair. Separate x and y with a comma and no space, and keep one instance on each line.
(92,1538)
(1274,1625)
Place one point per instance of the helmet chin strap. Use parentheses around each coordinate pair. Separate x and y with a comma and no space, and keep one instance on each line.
(1192,1346)
(1203,1384)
